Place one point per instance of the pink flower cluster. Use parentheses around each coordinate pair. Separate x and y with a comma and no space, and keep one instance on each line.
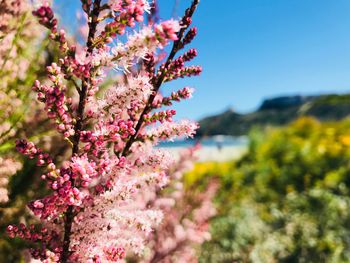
(46,17)
(160,116)
(191,34)
(114,254)
(146,41)
(125,99)
(167,30)
(94,207)
(48,239)
(29,149)
(181,94)
(186,215)
(56,103)
(172,130)
(125,13)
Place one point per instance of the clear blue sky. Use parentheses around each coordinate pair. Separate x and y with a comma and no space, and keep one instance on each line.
(253,49)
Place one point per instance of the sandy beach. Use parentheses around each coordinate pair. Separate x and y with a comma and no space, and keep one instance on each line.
(206,154)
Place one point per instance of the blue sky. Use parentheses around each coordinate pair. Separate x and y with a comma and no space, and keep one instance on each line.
(255,49)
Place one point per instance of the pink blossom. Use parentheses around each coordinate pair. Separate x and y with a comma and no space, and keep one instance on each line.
(94,204)
(186,216)
(83,169)
(172,130)
(168,30)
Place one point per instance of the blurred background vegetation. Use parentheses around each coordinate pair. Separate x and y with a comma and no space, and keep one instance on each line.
(285,200)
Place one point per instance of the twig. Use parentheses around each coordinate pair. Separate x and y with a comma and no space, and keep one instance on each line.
(69,215)
(176,47)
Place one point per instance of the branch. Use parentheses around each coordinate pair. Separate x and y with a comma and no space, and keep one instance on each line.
(69,215)
(176,47)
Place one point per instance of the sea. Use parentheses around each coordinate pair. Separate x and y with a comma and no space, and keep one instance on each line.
(219,148)
(212,141)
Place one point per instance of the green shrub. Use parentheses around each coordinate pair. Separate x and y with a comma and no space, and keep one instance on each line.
(287,199)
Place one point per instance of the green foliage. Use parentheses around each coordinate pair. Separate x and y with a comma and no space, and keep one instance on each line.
(287,199)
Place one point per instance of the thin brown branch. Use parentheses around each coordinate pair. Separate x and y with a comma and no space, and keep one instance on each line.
(176,47)
(69,215)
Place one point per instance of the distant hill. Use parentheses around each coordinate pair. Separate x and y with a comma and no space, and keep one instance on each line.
(276,112)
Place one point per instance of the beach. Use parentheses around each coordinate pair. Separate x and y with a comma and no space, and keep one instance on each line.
(208,153)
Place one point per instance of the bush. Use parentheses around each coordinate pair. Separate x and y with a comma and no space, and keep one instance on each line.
(287,199)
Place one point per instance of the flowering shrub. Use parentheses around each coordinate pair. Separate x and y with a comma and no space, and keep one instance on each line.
(287,199)
(92,213)
(22,57)
(186,215)
(17,35)
(8,166)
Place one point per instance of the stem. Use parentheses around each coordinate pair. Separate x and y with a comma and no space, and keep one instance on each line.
(69,215)
(94,14)
(176,47)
